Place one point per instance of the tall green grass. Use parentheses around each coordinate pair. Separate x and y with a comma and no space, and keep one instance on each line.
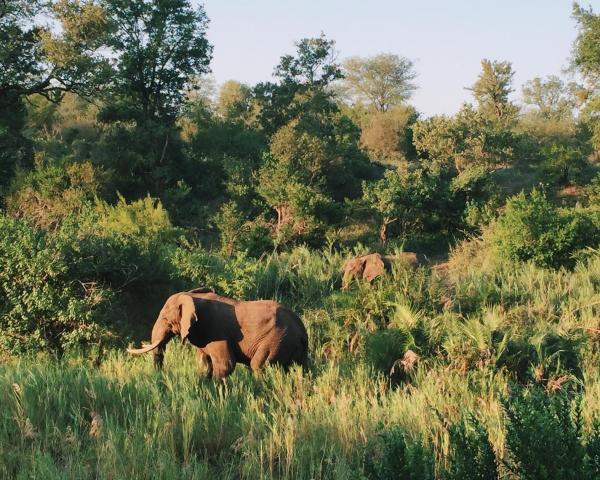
(507,354)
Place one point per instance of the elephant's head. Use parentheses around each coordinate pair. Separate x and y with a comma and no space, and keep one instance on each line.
(374,266)
(175,318)
(353,268)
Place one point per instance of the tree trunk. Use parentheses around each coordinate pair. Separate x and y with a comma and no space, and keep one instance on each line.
(383,229)
(283,216)
(383,233)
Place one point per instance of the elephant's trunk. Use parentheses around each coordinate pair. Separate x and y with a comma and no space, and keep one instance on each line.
(161,334)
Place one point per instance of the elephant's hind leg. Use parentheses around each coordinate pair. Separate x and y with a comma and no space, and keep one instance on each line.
(261,356)
(205,363)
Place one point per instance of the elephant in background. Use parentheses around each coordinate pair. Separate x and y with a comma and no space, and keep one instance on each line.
(227,331)
(368,267)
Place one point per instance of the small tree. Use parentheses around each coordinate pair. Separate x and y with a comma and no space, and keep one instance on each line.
(492,88)
(381,81)
(532,229)
(586,60)
(401,197)
(158,49)
(233,102)
(469,139)
(550,98)
(301,87)
(388,135)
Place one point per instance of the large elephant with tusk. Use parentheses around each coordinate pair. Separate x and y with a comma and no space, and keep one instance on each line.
(227,331)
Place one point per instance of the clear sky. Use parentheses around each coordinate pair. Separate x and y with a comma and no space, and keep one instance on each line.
(445,38)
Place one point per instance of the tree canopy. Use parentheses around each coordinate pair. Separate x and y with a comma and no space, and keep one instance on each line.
(492,89)
(381,81)
(158,48)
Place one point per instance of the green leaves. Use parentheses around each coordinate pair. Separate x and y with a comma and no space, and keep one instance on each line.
(492,88)
(158,48)
(531,228)
(43,305)
(382,81)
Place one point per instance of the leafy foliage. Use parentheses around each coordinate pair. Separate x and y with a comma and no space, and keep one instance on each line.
(384,80)
(45,306)
(544,435)
(531,228)
(390,455)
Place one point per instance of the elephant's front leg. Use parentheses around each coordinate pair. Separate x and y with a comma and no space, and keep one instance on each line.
(221,356)
(205,362)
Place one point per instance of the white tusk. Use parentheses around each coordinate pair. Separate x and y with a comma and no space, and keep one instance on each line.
(146,349)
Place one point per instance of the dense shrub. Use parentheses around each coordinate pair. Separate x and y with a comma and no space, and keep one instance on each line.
(473,456)
(144,220)
(544,434)
(531,228)
(44,304)
(392,455)
(101,269)
(238,233)
(563,164)
(383,348)
(53,191)
(195,267)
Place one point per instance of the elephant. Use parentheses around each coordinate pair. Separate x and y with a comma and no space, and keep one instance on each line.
(227,331)
(368,267)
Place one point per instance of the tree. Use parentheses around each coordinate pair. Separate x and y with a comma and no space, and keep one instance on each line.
(492,89)
(586,59)
(586,48)
(159,47)
(401,197)
(302,84)
(233,103)
(387,136)
(469,139)
(383,81)
(314,64)
(531,228)
(35,60)
(551,98)
(293,177)
(159,52)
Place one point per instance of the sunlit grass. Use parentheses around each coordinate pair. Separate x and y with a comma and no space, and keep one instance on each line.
(477,333)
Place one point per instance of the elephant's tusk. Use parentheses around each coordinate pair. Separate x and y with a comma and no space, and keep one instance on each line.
(146,349)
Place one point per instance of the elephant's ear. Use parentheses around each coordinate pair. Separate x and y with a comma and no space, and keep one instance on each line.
(373,268)
(187,315)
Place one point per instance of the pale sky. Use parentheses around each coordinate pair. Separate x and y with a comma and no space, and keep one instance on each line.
(445,38)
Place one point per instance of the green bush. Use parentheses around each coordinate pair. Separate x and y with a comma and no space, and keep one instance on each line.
(194,267)
(238,233)
(564,162)
(383,348)
(391,455)
(44,304)
(544,434)
(532,229)
(53,191)
(593,450)
(473,456)
(144,220)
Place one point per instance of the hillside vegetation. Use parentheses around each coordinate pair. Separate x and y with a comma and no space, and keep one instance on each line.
(126,176)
